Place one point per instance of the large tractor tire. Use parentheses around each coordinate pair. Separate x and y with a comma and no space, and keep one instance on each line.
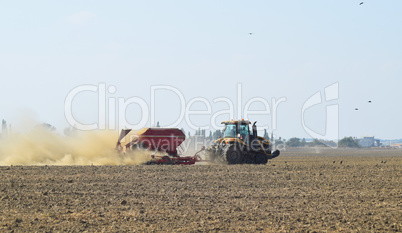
(232,155)
(261,158)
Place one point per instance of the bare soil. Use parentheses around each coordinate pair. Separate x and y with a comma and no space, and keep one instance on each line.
(300,191)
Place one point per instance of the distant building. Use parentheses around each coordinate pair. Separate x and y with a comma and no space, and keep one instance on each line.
(397,145)
(369,142)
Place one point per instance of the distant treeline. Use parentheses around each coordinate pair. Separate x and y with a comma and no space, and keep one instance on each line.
(292,142)
(297,142)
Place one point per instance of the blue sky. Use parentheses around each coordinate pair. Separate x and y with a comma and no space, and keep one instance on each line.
(204,49)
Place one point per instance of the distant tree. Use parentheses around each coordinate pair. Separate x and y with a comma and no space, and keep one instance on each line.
(279,142)
(4,130)
(349,142)
(317,142)
(217,134)
(331,143)
(293,142)
(201,132)
(303,142)
(266,136)
(46,126)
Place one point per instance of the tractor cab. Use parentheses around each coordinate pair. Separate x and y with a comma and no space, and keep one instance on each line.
(239,130)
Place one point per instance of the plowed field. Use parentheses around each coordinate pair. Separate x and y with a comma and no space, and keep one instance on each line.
(300,191)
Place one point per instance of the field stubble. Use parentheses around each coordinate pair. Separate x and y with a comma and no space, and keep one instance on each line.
(300,191)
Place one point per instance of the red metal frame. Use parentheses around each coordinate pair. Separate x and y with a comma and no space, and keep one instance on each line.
(185,160)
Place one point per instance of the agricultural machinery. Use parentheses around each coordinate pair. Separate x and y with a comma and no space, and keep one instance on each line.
(163,140)
(236,146)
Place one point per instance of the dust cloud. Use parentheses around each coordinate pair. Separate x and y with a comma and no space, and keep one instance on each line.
(42,146)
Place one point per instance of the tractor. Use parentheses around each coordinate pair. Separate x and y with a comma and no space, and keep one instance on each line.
(238,146)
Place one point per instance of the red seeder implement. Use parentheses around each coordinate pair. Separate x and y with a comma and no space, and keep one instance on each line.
(164,140)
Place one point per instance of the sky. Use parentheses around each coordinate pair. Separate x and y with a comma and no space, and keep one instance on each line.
(132,63)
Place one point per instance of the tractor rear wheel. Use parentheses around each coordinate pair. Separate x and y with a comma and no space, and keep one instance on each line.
(261,158)
(232,155)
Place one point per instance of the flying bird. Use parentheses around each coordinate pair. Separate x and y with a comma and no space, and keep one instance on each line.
(361,3)
(356,109)
(250,33)
(369,101)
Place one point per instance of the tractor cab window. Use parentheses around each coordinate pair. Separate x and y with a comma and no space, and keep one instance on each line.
(230,131)
(244,132)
